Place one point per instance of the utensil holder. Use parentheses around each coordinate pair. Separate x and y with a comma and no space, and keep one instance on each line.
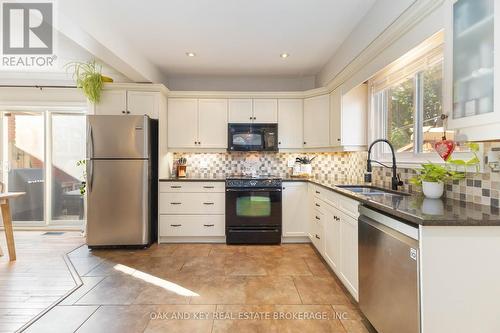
(181,171)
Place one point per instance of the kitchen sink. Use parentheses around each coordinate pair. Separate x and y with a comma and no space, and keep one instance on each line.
(371,190)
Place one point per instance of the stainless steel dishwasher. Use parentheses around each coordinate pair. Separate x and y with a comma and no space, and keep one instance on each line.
(388,272)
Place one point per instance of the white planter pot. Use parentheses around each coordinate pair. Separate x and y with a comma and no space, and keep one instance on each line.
(433,190)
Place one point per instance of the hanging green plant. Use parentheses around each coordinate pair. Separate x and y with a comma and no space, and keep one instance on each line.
(88,77)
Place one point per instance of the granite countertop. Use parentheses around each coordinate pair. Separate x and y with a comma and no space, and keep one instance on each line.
(417,209)
(413,208)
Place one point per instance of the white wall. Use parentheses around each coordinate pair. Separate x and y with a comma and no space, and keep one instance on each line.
(67,51)
(378,18)
(425,28)
(237,83)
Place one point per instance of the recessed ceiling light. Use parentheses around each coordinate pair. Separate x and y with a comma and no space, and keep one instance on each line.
(190,54)
(284,55)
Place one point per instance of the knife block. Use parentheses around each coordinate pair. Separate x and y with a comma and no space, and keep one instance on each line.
(181,171)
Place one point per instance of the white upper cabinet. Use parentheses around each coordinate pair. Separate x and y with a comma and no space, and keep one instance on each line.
(240,111)
(113,102)
(197,123)
(182,122)
(253,110)
(265,111)
(295,209)
(212,123)
(317,122)
(290,123)
(354,116)
(336,118)
(128,102)
(472,87)
(348,117)
(143,102)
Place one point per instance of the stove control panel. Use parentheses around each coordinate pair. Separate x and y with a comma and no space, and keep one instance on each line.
(257,183)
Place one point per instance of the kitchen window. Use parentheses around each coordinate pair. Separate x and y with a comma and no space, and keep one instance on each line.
(407,104)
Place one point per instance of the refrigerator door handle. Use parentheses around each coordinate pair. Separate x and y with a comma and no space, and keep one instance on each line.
(91,174)
(90,161)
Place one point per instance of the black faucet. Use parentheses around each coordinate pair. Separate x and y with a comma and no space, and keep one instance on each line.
(395,180)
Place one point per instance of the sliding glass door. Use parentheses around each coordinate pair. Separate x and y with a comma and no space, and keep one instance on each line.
(40,151)
(68,147)
(24,164)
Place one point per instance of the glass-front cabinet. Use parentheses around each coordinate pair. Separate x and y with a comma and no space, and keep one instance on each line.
(471,71)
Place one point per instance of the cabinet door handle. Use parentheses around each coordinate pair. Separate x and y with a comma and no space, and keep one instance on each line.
(176,203)
(176,225)
(318,192)
(251,118)
(123,111)
(209,225)
(317,236)
(317,218)
(208,186)
(338,140)
(305,142)
(175,186)
(128,112)
(208,203)
(317,205)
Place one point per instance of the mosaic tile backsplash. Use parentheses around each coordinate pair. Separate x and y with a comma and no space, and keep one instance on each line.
(482,188)
(330,165)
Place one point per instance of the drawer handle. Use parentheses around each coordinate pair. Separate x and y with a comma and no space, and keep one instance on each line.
(208,186)
(317,218)
(318,192)
(209,225)
(176,225)
(209,203)
(175,186)
(176,203)
(317,237)
(317,205)
(336,218)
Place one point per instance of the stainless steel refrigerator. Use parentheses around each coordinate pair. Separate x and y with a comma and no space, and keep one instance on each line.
(120,180)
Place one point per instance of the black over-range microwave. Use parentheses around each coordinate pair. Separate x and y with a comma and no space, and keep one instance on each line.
(252,137)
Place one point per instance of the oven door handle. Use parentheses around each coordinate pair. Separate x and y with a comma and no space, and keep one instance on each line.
(246,189)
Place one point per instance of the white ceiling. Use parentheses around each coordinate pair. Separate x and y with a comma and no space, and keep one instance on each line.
(229,37)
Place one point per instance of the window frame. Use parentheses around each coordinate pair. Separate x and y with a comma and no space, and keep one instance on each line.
(413,64)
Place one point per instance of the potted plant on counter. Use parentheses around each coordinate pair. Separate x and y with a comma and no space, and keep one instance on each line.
(432,178)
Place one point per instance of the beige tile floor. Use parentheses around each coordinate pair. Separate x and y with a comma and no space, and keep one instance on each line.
(204,288)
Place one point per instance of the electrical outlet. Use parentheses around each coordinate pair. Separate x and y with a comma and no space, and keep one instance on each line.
(291,162)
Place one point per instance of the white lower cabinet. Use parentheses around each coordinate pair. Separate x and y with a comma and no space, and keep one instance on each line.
(333,230)
(349,253)
(294,209)
(332,240)
(192,225)
(191,211)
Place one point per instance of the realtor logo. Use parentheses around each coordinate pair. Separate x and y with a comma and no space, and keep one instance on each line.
(27,34)
(27,28)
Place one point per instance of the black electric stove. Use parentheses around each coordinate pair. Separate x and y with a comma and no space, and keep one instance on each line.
(253,209)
